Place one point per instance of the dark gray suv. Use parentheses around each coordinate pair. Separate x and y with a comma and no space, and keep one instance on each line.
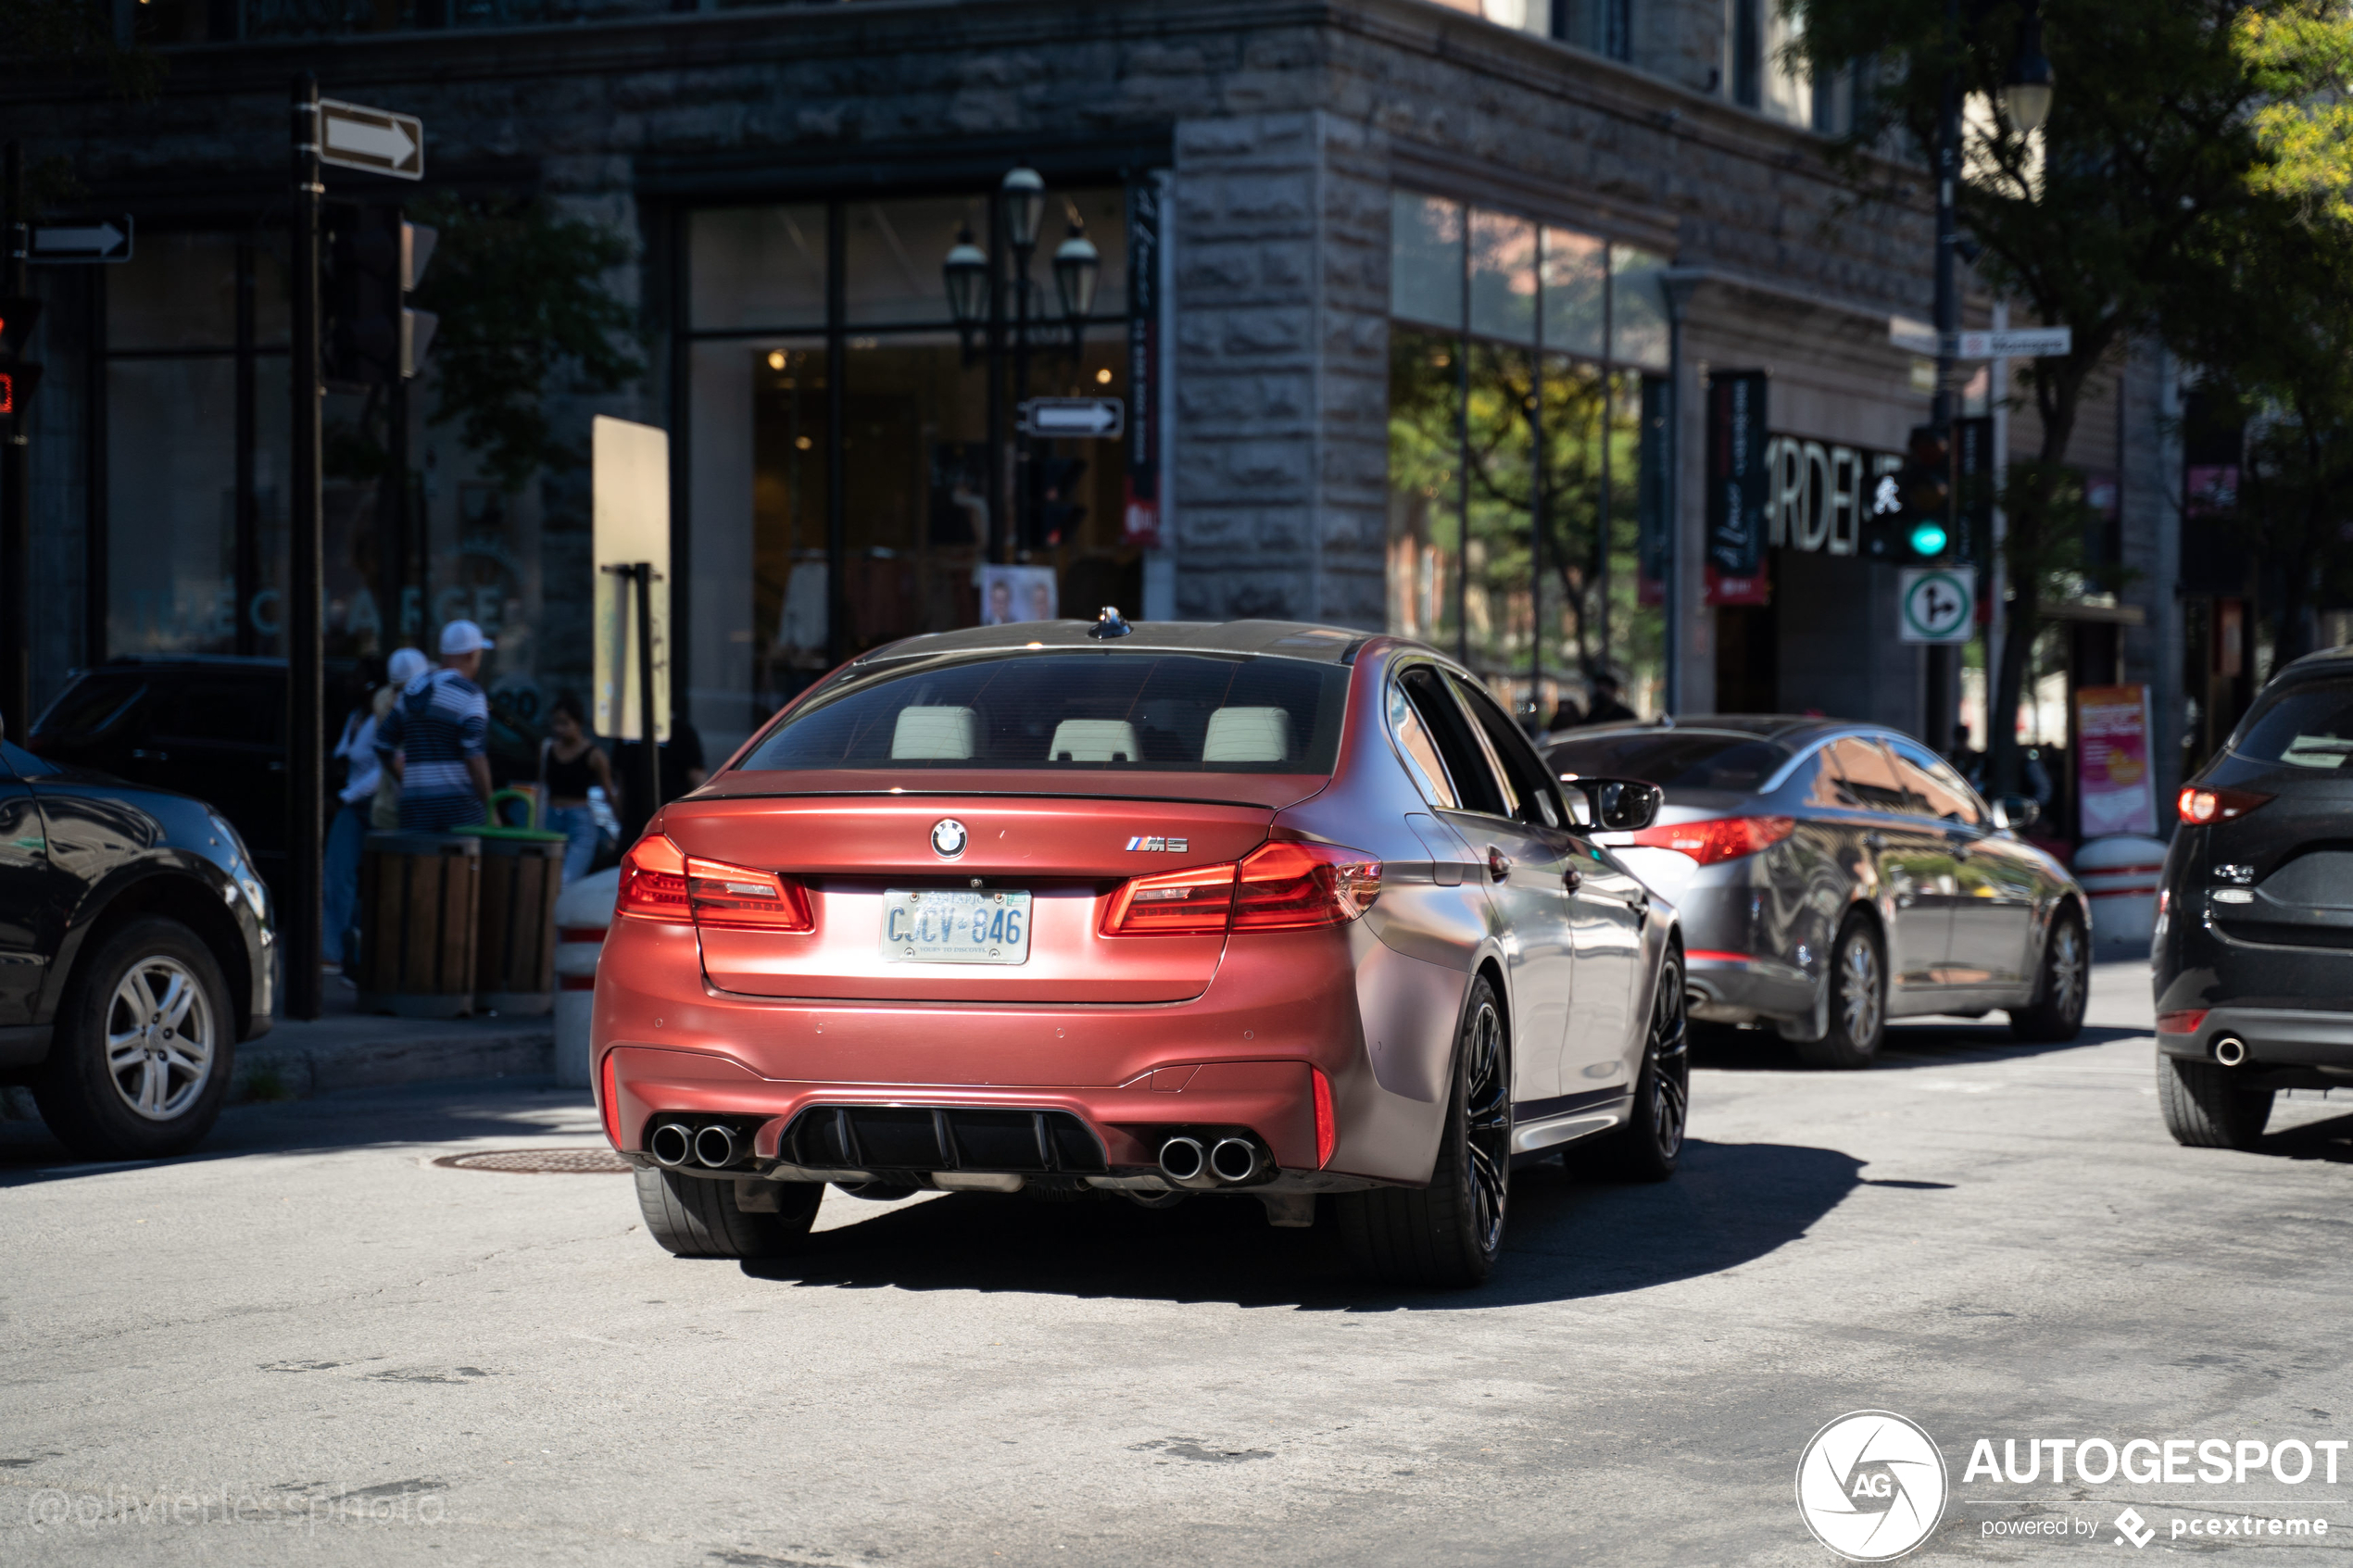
(1832,876)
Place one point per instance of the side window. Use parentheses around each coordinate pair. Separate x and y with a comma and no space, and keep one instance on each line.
(1421,752)
(1535,800)
(231,711)
(1825,788)
(1937,785)
(1466,757)
(1864,767)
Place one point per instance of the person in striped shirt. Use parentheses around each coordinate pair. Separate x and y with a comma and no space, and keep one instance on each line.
(433,740)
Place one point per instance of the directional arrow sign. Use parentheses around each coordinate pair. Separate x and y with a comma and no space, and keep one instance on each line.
(355,136)
(94,239)
(1083,418)
(1936,605)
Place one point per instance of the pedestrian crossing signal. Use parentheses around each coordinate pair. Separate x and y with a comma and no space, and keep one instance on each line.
(18,375)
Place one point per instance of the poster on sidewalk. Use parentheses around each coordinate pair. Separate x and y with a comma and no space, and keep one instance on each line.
(2115,790)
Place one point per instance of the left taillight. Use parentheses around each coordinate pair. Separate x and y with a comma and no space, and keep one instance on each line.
(1278,886)
(1717,838)
(660,882)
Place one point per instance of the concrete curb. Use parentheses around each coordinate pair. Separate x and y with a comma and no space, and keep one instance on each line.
(282,1064)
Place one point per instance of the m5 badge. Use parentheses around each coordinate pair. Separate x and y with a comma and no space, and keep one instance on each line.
(1154,845)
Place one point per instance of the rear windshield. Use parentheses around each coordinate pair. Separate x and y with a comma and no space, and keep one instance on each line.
(89,707)
(1112,711)
(1672,759)
(2308,725)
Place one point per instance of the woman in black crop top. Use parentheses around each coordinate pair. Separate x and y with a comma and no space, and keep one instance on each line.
(569,763)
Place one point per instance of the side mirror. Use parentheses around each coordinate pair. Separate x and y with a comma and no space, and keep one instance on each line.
(1618,804)
(2016,813)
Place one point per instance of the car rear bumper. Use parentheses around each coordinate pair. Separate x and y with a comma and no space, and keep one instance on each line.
(1243,1055)
(2274,1037)
(1732,987)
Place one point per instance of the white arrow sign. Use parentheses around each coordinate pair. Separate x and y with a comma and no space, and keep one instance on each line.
(355,136)
(1936,605)
(2020,343)
(1085,418)
(106,239)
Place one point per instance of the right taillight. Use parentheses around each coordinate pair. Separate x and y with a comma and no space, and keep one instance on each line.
(1717,838)
(2201,804)
(660,882)
(1281,885)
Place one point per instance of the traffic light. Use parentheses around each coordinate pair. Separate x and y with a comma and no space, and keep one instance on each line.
(1057,510)
(19,376)
(374,258)
(1924,488)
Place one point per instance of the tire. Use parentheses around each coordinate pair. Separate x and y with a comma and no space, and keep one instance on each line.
(1645,1150)
(2062,987)
(2205,1108)
(1448,1234)
(696,1216)
(145,1045)
(1858,1000)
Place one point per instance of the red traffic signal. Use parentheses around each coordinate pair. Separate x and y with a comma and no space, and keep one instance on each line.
(19,314)
(17,382)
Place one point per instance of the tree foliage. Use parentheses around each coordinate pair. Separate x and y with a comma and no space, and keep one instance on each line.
(525,314)
(2150,153)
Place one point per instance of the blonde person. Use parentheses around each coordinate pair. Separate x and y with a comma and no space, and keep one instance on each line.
(406,665)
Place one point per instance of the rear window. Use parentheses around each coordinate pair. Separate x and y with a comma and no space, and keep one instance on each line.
(1111,710)
(90,707)
(1672,759)
(2308,725)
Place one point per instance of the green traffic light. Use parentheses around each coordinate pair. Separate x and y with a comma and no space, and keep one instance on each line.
(1927,539)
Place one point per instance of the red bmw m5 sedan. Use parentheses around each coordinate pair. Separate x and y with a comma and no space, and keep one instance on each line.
(1262,909)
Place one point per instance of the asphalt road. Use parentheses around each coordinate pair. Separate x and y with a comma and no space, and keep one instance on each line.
(314,1345)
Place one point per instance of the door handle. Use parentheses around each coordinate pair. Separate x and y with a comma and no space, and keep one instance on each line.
(1572,879)
(1499,865)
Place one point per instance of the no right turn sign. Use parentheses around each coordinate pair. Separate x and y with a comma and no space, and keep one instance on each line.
(1936,604)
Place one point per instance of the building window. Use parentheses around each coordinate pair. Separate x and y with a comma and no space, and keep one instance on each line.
(823,357)
(1517,352)
(1606,27)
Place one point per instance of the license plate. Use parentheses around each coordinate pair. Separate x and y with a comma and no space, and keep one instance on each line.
(954,926)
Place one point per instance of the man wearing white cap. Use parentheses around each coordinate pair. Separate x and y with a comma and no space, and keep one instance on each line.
(433,740)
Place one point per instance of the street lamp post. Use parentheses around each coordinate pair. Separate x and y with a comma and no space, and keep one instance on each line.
(968,270)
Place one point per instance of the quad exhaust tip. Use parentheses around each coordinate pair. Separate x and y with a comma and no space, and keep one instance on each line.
(1182,1159)
(669,1145)
(1234,1160)
(716,1146)
(2230,1050)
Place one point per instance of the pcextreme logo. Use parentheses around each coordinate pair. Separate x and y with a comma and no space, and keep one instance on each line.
(1871,1485)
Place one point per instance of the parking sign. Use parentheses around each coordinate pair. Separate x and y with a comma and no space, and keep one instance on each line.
(1936,604)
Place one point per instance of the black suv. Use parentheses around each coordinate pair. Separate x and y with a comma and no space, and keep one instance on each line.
(135,954)
(2253,954)
(215,727)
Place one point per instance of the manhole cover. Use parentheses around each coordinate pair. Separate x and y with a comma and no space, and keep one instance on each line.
(559,1162)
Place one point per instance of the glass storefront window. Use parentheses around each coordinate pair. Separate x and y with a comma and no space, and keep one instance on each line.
(177,291)
(1637,308)
(172,504)
(1424,260)
(1515,442)
(756,267)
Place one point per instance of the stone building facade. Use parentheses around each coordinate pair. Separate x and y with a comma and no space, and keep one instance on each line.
(1653,143)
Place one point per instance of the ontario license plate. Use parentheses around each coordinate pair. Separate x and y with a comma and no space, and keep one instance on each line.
(954,926)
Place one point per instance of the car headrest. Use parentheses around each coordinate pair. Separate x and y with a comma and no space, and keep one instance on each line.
(1248,735)
(1095,740)
(933,734)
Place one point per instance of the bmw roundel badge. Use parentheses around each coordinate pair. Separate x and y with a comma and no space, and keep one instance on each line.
(949,838)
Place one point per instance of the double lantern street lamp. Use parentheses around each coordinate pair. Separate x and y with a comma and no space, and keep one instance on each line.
(970,274)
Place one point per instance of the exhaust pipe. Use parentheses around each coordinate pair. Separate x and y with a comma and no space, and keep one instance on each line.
(716,1146)
(1234,1160)
(2230,1050)
(1181,1159)
(669,1145)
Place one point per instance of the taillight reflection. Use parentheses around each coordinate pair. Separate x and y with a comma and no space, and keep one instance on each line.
(1278,886)
(660,883)
(2199,805)
(1717,838)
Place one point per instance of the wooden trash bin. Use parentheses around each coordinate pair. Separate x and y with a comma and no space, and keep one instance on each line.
(515,942)
(419,895)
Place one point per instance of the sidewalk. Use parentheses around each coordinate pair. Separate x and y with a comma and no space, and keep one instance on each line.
(347,1049)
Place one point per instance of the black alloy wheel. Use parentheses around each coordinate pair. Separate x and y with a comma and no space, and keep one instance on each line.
(1647,1147)
(1858,983)
(1450,1232)
(2062,986)
(145,1046)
